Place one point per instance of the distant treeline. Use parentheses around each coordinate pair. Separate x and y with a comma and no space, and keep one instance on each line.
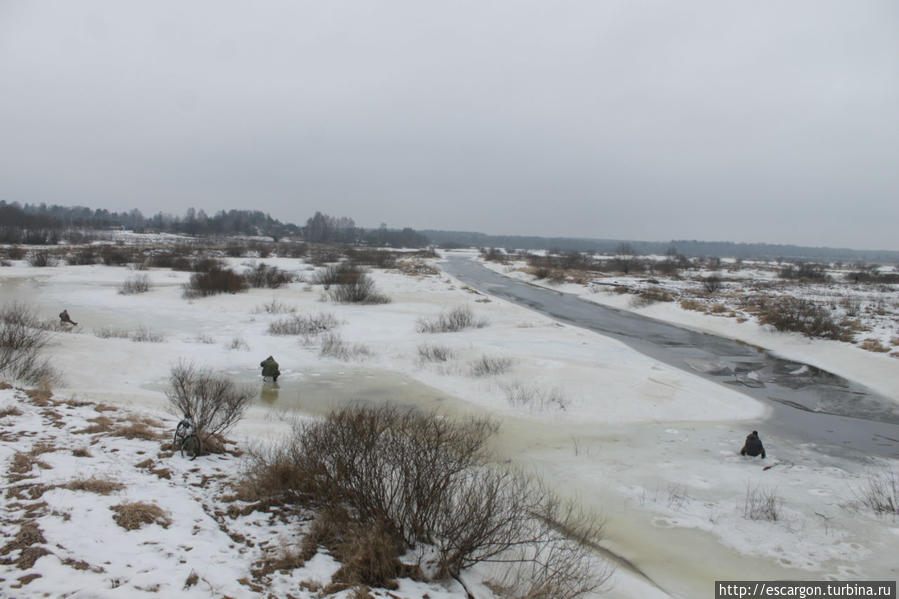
(696,248)
(43,224)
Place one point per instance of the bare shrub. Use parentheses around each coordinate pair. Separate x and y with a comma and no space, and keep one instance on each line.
(41,258)
(293,250)
(881,493)
(210,400)
(22,344)
(712,284)
(787,313)
(805,271)
(434,353)
(112,332)
(308,325)
(495,255)
(391,479)
(206,264)
(275,307)
(134,515)
(336,274)
(238,343)
(535,397)
(457,319)
(116,255)
(145,335)
(359,289)
(376,257)
(269,277)
(82,257)
(235,249)
(761,504)
(335,347)
(204,284)
(134,285)
(491,365)
(651,295)
(320,255)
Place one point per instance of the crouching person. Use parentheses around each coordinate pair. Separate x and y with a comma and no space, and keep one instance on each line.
(753,445)
(270,369)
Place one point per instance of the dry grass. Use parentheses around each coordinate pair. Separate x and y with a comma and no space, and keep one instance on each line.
(82,452)
(112,333)
(308,325)
(692,304)
(873,345)
(100,424)
(138,430)
(335,347)
(881,493)
(24,542)
(22,464)
(191,580)
(651,295)
(99,486)
(457,319)
(417,268)
(10,411)
(281,559)
(132,516)
(761,504)
(434,353)
(491,365)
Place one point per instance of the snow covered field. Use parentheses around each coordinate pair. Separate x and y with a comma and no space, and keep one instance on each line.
(651,448)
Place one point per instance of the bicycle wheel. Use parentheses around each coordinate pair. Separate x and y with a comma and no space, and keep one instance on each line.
(191,445)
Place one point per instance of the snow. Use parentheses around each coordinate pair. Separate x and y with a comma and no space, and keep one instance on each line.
(649,447)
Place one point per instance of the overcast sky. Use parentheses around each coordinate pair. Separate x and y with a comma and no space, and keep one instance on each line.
(772,121)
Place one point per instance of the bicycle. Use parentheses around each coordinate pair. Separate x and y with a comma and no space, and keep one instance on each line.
(186,439)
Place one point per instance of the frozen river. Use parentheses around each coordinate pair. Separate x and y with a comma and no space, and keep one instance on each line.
(808,404)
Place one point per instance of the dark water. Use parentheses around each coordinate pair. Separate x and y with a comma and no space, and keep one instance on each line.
(809,405)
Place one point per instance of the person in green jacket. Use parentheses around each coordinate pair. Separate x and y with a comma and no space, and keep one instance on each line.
(270,368)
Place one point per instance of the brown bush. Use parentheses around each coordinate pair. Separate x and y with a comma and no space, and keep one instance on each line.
(360,290)
(204,284)
(787,313)
(873,345)
(132,516)
(264,276)
(94,485)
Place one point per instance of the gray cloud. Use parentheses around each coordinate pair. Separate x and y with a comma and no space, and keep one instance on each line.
(771,122)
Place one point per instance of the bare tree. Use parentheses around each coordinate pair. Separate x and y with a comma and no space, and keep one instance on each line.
(625,257)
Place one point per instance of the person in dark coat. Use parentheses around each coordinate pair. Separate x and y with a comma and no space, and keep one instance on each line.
(753,445)
(270,368)
(64,318)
